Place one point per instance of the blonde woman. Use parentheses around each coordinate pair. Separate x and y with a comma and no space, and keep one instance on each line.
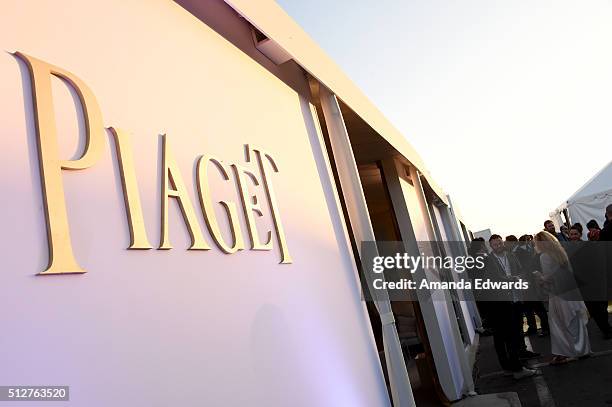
(567,314)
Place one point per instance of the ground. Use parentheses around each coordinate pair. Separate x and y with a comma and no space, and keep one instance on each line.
(583,383)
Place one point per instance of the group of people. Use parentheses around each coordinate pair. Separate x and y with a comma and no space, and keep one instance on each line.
(574,232)
(560,272)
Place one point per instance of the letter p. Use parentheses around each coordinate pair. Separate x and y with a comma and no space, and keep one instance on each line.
(61,257)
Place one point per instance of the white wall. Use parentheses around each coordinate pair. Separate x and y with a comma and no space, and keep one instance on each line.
(178,327)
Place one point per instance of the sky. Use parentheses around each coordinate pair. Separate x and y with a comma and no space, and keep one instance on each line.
(508,102)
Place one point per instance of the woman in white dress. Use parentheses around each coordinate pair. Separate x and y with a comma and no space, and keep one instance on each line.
(567,314)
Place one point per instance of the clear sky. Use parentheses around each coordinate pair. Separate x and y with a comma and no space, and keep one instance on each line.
(508,102)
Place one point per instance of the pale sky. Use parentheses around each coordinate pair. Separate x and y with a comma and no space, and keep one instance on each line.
(508,102)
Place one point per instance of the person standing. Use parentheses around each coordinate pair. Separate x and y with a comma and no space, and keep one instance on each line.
(575,233)
(606,233)
(506,311)
(567,318)
(606,236)
(578,227)
(563,235)
(594,230)
(549,226)
(531,307)
(588,263)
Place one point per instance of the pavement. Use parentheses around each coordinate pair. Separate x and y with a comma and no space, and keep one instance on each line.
(582,383)
(508,399)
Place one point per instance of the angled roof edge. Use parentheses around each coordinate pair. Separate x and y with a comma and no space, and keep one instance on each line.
(605,171)
(576,197)
(588,198)
(269,18)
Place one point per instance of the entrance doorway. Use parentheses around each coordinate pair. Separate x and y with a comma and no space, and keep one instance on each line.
(408,316)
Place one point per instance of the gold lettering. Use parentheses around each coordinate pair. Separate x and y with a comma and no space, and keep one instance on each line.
(61,256)
(209,210)
(173,187)
(251,205)
(267,181)
(131,196)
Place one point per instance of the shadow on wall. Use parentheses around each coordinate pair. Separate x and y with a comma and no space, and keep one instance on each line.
(223,19)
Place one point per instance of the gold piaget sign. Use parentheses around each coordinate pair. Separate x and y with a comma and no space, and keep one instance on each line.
(61,254)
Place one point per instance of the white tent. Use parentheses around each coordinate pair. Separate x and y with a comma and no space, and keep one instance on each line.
(589,202)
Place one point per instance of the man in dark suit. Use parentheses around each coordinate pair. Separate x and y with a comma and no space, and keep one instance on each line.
(532,305)
(605,236)
(506,310)
(588,260)
(606,233)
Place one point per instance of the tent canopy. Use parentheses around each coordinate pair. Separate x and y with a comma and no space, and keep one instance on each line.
(588,202)
(602,181)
